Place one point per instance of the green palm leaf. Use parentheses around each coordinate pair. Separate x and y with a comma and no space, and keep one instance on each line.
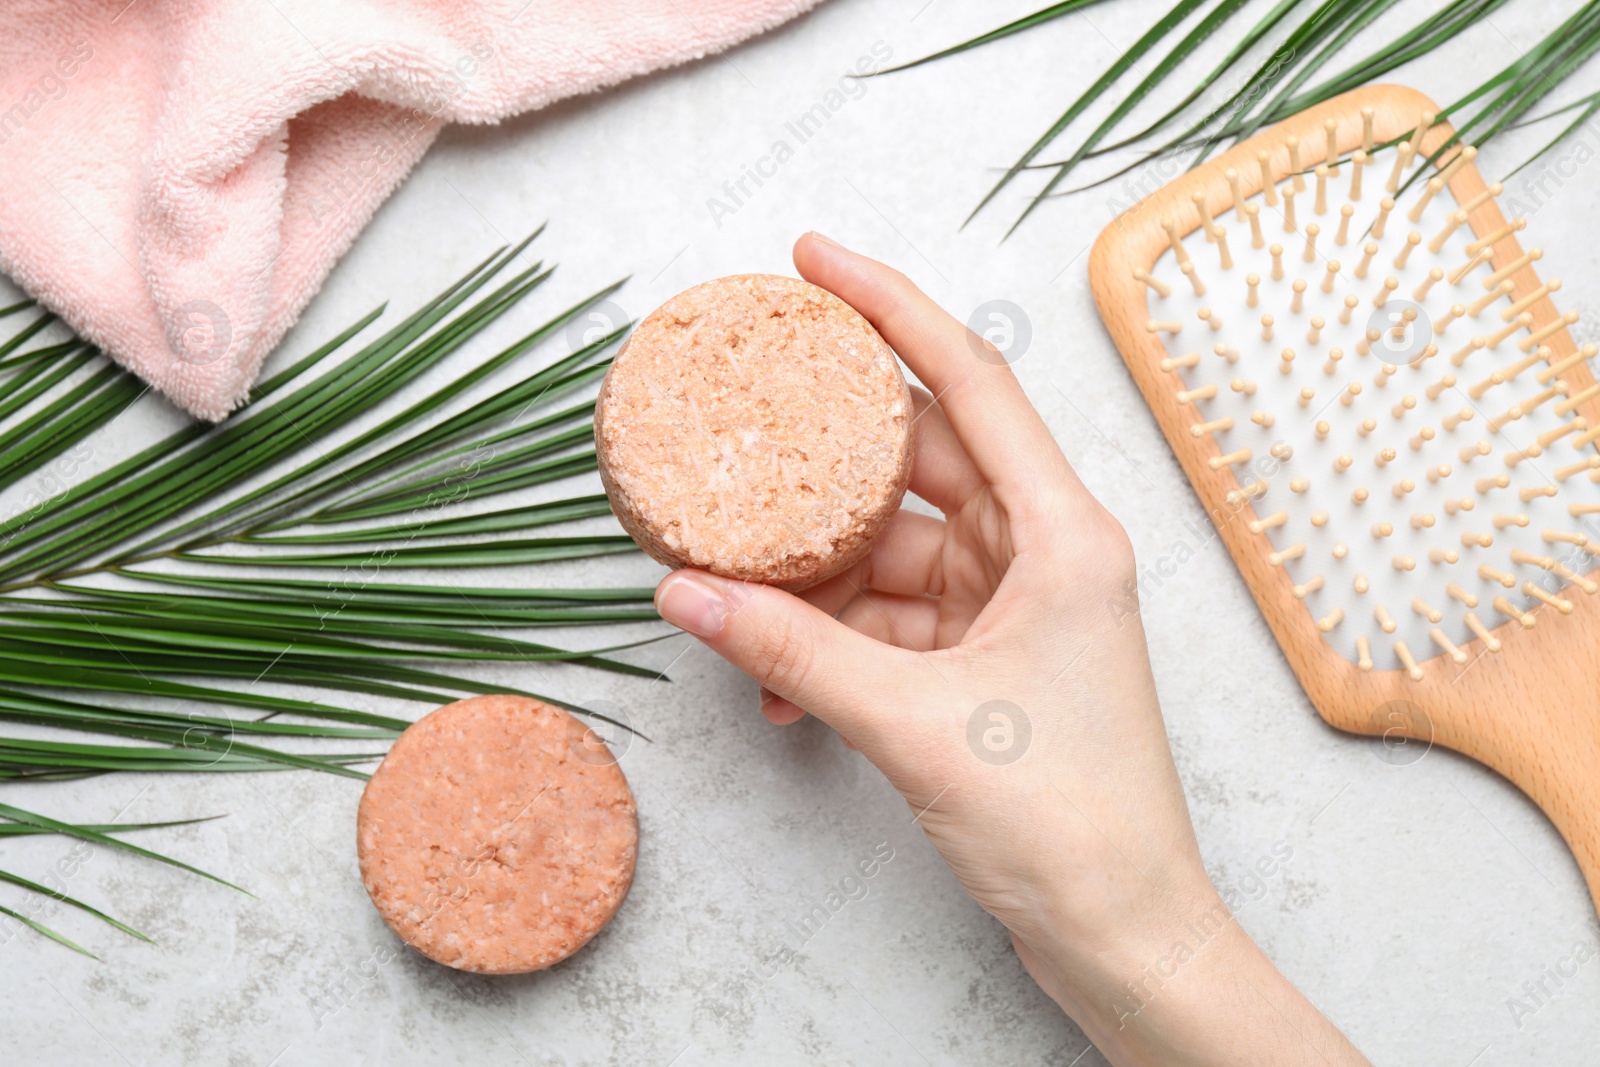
(15,879)
(132,605)
(36,827)
(85,833)
(22,822)
(1281,85)
(1027,22)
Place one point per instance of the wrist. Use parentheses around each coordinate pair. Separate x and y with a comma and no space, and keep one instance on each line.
(1179,981)
(1132,997)
(1122,959)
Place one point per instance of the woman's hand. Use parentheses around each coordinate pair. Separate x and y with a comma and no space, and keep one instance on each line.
(992,665)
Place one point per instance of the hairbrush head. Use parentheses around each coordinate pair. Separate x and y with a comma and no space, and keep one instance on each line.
(1422,454)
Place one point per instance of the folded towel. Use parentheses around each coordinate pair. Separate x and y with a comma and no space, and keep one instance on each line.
(177,177)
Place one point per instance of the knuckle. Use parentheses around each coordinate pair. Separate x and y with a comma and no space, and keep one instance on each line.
(1095,547)
(780,658)
(899,284)
(1112,545)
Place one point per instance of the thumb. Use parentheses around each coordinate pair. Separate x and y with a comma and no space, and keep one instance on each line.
(790,647)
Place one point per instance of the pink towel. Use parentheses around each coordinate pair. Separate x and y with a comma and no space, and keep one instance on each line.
(177,177)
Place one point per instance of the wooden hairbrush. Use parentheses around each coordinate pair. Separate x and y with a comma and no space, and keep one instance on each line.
(1389,421)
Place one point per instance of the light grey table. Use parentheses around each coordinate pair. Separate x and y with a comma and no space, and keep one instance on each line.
(1417,900)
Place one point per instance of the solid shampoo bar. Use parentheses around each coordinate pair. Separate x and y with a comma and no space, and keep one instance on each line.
(756,427)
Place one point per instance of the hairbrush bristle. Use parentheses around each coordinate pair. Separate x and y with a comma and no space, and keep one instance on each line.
(1412,458)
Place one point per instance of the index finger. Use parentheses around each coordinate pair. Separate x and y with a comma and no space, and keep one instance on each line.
(991,415)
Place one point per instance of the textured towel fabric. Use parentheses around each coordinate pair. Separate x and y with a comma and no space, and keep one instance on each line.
(178,176)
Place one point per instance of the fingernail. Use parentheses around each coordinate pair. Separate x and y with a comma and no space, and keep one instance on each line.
(815,236)
(691,604)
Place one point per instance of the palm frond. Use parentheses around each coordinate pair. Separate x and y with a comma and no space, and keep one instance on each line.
(38,825)
(1027,22)
(20,823)
(1185,47)
(1282,83)
(95,837)
(133,606)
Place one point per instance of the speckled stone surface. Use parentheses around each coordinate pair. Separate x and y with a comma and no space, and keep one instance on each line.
(497,836)
(1423,897)
(757,427)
